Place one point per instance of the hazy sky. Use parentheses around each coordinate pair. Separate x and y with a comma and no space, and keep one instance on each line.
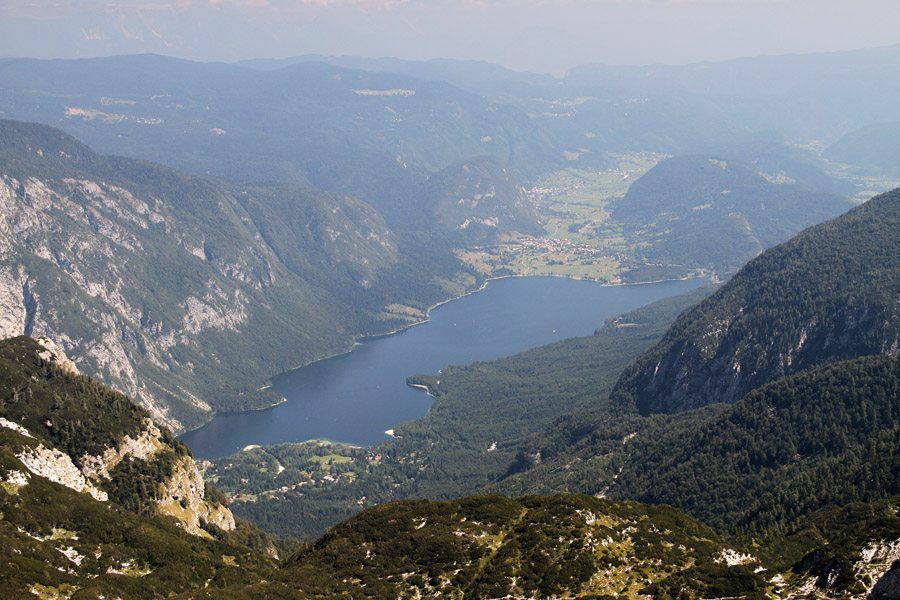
(534,35)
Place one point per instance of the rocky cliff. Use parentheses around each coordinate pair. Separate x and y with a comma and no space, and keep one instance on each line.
(182,293)
(63,427)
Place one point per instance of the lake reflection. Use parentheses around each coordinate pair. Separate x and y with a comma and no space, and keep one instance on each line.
(355,397)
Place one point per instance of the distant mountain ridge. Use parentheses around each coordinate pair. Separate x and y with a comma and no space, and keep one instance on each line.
(202,117)
(709,212)
(392,118)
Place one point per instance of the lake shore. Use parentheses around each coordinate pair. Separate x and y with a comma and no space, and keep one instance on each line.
(360,394)
(361,339)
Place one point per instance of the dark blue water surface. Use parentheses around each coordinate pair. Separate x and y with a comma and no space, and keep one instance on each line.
(356,397)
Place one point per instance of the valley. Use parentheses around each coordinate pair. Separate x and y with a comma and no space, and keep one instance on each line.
(584,239)
(177,237)
(579,239)
(356,397)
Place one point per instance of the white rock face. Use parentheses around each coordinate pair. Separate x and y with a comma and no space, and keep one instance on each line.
(733,558)
(13,312)
(17,478)
(200,315)
(145,445)
(875,562)
(15,427)
(55,353)
(184,499)
(183,496)
(58,467)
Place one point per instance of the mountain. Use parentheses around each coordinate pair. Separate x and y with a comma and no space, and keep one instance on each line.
(293,121)
(188,293)
(97,499)
(807,96)
(871,146)
(471,75)
(478,200)
(825,437)
(713,213)
(780,161)
(828,294)
(568,546)
(106,446)
(675,109)
(246,123)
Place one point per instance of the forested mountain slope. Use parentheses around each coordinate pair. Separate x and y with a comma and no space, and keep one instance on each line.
(187,293)
(823,437)
(97,499)
(828,294)
(103,445)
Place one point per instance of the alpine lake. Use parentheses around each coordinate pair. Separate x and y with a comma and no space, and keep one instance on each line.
(359,397)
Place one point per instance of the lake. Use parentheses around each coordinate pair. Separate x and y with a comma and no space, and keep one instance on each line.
(356,397)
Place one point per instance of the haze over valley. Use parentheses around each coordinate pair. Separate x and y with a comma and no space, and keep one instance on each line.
(194,235)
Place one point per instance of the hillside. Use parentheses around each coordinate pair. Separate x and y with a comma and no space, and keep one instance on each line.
(713,213)
(104,445)
(188,293)
(470,202)
(89,509)
(493,547)
(828,294)
(478,200)
(779,160)
(98,498)
(823,437)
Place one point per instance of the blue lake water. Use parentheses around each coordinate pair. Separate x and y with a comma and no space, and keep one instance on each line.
(356,397)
